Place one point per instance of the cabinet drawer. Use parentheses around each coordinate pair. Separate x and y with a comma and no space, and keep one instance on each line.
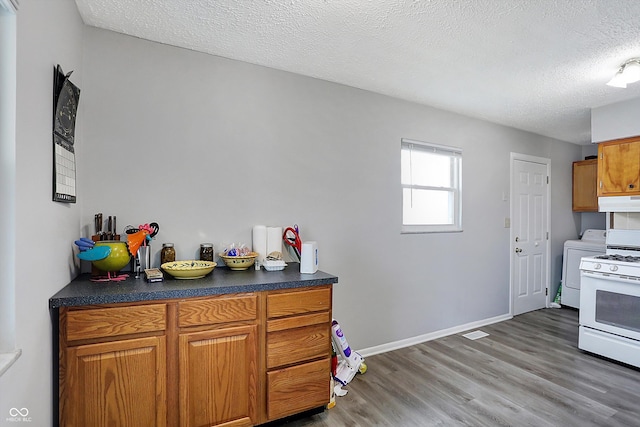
(217,310)
(291,346)
(115,321)
(298,302)
(298,388)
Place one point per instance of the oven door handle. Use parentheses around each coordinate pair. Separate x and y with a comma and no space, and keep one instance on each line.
(607,276)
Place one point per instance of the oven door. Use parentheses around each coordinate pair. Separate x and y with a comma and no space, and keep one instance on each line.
(610,303)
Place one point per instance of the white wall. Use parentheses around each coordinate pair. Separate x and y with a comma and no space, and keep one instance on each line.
(615,121)
(48,33)
(208,147)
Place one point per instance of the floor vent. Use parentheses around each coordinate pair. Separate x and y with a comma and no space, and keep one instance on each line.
(475,335)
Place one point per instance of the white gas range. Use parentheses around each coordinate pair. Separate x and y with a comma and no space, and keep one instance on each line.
(610,299)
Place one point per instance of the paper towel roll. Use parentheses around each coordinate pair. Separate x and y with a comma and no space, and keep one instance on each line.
(274,239)
(260,241)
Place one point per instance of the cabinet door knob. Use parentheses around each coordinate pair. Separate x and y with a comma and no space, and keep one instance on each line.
(631,186)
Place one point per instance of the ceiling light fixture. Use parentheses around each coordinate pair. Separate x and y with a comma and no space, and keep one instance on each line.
(629,72)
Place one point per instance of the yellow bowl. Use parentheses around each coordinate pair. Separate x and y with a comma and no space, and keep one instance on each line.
(239,262)
(190,269)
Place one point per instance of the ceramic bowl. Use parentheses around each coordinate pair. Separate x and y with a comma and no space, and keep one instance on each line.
(117,259)
(239,262)
(189,269)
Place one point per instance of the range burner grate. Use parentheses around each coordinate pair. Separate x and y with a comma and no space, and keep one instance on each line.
(621,258)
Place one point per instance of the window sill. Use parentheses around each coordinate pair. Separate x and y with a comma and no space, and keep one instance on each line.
(424,229)
(7,359)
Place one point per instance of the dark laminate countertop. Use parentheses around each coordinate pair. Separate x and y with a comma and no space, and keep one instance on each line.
(222,280)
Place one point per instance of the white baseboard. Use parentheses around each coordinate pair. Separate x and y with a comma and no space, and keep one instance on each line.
(7,359)
(383,348)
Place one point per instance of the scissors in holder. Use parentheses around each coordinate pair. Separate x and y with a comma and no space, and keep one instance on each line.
(291,237)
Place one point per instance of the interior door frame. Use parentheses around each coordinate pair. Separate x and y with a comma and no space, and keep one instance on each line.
(512,243)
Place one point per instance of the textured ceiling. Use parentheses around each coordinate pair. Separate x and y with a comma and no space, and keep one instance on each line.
(536,65)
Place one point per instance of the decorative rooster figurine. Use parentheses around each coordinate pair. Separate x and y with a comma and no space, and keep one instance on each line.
(111,256)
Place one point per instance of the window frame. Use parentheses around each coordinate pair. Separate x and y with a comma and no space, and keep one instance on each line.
(454,153)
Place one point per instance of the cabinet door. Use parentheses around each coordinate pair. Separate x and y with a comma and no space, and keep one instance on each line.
(218,377)
(585,179)
(120,383)
(618,168)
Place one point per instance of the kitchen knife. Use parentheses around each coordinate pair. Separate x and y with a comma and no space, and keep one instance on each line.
(99,226)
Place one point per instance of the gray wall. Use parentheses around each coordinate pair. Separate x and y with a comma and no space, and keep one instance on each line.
(48,33)
(208,147)
(615,121)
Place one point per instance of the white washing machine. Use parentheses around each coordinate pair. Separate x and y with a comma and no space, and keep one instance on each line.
(591,244)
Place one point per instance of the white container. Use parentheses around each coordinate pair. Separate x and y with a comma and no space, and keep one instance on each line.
(274,265)
(309,258)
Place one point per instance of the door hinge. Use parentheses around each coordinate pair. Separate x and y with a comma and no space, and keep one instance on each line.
(600,183)
(547,179)
(546,292)
(547,235)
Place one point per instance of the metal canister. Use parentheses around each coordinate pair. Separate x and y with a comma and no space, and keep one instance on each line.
(168,253)
(206,252)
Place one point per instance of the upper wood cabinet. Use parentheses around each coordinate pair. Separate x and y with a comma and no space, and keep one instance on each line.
(585,183)
(619,167)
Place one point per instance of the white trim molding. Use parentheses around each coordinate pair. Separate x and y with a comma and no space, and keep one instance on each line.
(10,6)
(396,345)
(7,359)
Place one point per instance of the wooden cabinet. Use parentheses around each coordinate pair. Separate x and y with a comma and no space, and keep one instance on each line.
(218,377)
(232,360)
(619,167)
(585,183)
(298,351)
(117,383)
(218,371)
(109,381)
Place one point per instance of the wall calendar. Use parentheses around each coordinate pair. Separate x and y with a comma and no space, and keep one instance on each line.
(65,105)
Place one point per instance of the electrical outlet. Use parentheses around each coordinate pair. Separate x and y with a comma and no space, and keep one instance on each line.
(507,222)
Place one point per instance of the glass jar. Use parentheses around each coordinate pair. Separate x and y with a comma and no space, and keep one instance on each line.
(168,253)
(206,252)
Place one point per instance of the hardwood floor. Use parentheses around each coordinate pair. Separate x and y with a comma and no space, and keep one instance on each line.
(527,372)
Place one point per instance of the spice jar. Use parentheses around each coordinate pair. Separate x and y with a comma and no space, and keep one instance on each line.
(168,253)
(206,252)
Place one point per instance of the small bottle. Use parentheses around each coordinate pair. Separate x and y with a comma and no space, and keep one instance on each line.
(206,252)
(168,253)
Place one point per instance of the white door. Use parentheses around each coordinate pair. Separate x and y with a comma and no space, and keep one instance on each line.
(529,233)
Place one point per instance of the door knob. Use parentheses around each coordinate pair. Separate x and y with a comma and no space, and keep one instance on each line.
(518,250)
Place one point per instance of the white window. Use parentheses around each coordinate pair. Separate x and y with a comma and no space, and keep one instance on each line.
(431,187)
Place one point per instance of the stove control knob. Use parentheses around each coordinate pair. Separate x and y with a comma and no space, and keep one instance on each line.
(613,268)
(597,266)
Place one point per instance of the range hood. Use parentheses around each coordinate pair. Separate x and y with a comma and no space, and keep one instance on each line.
(619,204)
